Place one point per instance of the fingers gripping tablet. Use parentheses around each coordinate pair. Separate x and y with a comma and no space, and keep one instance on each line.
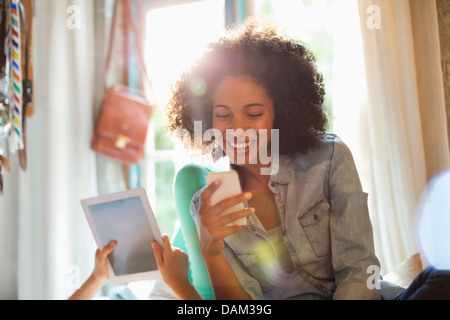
(127,218)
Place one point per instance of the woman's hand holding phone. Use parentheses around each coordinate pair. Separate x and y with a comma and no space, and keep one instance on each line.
(216,226)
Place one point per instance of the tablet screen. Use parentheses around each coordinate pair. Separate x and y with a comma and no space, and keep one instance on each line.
(126,222)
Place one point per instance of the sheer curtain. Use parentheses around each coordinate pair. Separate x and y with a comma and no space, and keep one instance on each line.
(397,124)
(353,117)
(54,247)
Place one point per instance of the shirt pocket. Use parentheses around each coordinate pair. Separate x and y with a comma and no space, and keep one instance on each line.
(315,222)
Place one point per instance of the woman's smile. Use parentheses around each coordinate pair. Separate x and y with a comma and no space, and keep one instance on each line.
(241,108)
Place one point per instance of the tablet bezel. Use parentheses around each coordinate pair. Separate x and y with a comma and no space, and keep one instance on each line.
(136,192)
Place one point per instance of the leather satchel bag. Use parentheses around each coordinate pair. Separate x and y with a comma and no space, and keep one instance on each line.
(122,126)
(123,122)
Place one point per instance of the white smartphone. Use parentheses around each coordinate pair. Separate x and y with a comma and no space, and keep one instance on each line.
(230,187)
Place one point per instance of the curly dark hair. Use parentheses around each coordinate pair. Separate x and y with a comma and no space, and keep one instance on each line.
(282,66)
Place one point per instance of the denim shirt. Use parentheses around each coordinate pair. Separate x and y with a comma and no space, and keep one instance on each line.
(325,227)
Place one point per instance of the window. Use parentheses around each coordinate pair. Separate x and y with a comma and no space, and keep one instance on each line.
(331,30)
(174,38)
(304,21)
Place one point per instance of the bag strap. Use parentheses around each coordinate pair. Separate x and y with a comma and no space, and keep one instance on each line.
(129,23)
(111,42)
(129,27)
(27,85)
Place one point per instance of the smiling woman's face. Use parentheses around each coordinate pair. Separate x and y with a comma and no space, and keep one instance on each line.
(240,103)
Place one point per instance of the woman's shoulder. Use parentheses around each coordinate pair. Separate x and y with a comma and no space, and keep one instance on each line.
(330,141)
(328,146)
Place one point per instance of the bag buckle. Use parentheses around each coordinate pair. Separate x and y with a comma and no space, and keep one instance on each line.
(121,142)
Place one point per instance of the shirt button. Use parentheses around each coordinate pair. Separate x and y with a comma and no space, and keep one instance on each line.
(251,227)
(280,200)
(272,185)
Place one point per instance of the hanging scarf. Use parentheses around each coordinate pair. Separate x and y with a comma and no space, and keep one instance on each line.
(15,74)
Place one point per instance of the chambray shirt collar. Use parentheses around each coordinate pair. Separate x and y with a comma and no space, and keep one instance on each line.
(284,173)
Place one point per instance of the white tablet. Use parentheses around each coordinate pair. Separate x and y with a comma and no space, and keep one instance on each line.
(127,218)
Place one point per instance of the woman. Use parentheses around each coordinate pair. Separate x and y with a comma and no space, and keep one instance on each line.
(308,234)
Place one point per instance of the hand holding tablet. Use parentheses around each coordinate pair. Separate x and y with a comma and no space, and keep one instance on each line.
(127,218)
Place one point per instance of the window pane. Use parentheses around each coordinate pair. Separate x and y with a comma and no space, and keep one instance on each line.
(310,22)
(176,36)
(165,207)
(162,141)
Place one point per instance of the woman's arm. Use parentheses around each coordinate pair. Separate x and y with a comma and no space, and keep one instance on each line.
(350,227)
(213,229)
(226,285)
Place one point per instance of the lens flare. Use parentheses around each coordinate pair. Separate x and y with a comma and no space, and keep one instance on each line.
(198,87)
(433,222)
(268,262)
